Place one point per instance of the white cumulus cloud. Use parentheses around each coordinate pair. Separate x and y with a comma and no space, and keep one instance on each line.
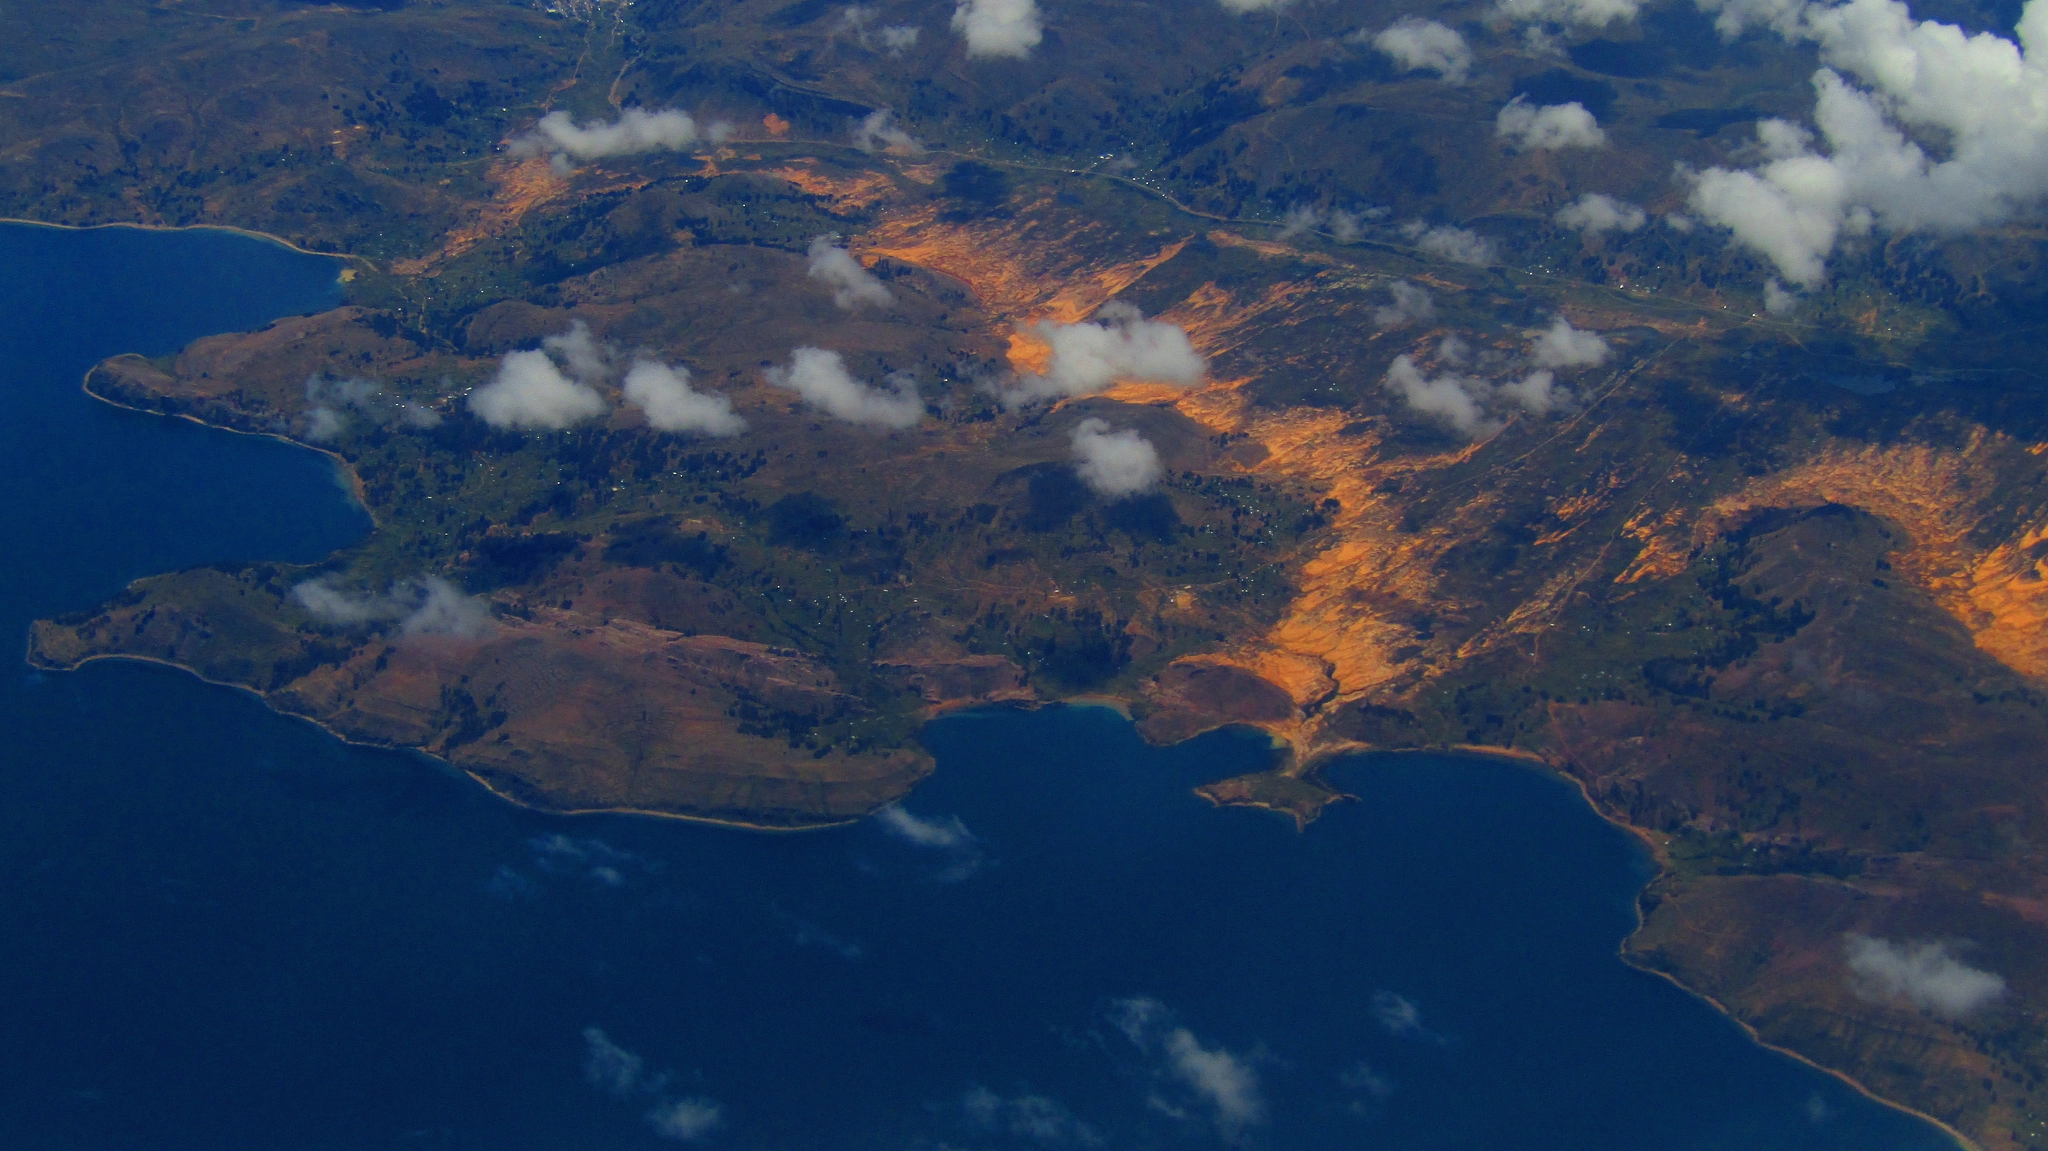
(622,1075)
(895,39)
(559,137)
(1037,1117)
(426,606)
(663,393)
(337,401)
(1595,212)
(821,378)
(878,132)
(1591,13)
(1114,464)
(1009,28)
(1923,974)
(1411,305)
(685,1120)
(1401,1017)
(1446,242)
(611,1068)
(579,351)
(1118,344)
(851,284)
(936,833)
(549,387)
(1342,225)
(1453,399)
(1549,127)
(1562,346)
(442,610)
(1475,399)
(1226,1084)
(1425,45)
(1537,393)
(529,391)
(1947,132)
(942,832)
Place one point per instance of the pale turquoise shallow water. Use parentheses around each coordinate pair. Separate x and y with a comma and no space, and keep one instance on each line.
(221,929)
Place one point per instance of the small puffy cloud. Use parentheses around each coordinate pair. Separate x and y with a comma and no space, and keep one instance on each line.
(821,378)
(579,351)
(1114,464)
(529,391)
(663,393)
(1342,225)
(943,834)
(508,884)
(611,1068)
(1225,1080)
(1792,211)
(1594,213)
(1118,344)
(1562,346)
(336,401)
(1778,301)
(851,284)
(1243,6)
(324,424)
(1009,28)
(1411,305)
(548,387)
(331,399)
(685,1120)
(878,132)
(1549,127)
(442,610)
(560,138)
(1451,398)
(1425,45)
(1366,1089)
(859,21)
(622,1075)
(1039,1118)
(1537,393)
(1923,974)
(427,606)
(1225,1084)
(330,604)
(1591,13)
(804,933)
(1476,404)
(591,859)
(1445,242)
(1399,1016)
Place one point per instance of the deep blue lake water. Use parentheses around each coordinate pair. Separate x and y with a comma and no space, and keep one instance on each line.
(221,929)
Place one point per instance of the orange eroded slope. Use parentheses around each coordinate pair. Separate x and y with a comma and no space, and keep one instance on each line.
(519,188)
(1028,267)
(1998,592)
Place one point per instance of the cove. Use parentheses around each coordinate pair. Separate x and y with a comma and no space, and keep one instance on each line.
(222,928)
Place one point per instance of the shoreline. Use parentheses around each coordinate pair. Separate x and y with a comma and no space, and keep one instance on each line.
(1621,952)
(1308,764)
(1537,761)
(341,465)
(439,761)
(1524,759)
(251,233)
